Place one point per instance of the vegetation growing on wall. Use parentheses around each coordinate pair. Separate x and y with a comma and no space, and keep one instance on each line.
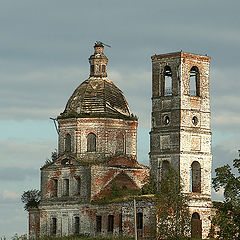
(173,218)
(31,198)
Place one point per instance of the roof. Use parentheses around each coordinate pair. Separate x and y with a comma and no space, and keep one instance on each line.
(97,97)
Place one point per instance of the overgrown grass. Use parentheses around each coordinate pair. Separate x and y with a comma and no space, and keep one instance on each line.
(82,237)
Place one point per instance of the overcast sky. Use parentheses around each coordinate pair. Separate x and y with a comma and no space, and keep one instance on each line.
(44,50)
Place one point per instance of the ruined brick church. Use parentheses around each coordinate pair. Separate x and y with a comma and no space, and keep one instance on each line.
(97,152)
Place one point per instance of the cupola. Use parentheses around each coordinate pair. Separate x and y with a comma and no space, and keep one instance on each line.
(98,61)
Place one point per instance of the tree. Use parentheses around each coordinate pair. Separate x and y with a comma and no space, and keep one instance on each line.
(173,217)
(227,218)
(31,198)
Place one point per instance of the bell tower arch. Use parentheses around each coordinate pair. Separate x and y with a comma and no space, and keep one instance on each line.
(181,132)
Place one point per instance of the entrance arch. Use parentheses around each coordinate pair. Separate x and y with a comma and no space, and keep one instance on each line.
(196,226)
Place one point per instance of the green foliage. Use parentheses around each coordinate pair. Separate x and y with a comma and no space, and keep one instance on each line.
(21,237)
(117,194)
(173,218)
(31,198)
(227,218)
(48,161)
(83,238)
(149,188)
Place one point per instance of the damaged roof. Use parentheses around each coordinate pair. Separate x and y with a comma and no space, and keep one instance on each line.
(98,96)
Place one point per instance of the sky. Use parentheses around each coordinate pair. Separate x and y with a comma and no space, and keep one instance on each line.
(44,51)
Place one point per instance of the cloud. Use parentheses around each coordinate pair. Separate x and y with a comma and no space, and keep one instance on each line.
(8,194)
(17,174)
(21,153)
(37,94)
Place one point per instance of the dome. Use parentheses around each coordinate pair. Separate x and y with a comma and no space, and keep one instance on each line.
(97,97)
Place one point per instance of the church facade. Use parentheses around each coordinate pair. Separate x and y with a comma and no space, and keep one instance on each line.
(97,152)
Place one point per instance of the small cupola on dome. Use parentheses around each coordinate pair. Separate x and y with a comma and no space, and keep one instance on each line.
(98,61)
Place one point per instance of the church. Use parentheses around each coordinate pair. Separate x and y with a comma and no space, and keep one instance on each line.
(88,188)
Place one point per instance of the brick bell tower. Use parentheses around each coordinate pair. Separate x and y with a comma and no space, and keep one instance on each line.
(180,133)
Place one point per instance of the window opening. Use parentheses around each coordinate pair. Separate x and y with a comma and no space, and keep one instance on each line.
(99,223)
(196,226)
(194,83)
(166,120)
(120,143)
(103,68)
(55,187)
(139,220)
(167,81)
(54,226)
(92,68)
(91,142)
(66,187)
(195,120)
(110,223)
(120,223)
(78,186)
(196,177)
(68,143)
(77,226)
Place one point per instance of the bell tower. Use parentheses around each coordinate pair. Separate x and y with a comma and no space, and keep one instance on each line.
(180,133)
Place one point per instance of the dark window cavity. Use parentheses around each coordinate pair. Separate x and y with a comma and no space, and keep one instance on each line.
(167,81)
(194,83)
(68,143)
(54,226)
(110,223)
(91,142)
(103,68)
(99,224)
(196,177)
(166,119)
(77,225)
(92,68)
(195,120)
(139,220)
(78,186)
(120,223)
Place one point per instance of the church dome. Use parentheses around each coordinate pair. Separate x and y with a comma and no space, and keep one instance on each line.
(97,96)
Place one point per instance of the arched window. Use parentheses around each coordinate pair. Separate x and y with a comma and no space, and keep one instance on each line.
(103,68)
(165,168)
(196,226)
(167,81)
(91,142)
(68,143)
(196,177)
(120,143)
(194,83)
